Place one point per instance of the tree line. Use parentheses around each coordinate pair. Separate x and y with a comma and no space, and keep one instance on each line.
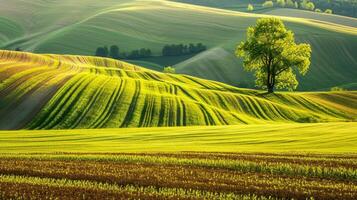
(113,52)
(181,49)
(341,7)
(168,50)
(298,4)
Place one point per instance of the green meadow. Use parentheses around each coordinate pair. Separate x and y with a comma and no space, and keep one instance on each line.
(293,137)
(76,126)
(66,92)
(152,24)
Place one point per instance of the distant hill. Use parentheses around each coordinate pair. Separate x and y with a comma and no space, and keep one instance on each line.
(60,91)
(67,28)
(340,7)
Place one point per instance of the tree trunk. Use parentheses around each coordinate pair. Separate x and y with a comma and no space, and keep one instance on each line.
(270,75)
(270,83)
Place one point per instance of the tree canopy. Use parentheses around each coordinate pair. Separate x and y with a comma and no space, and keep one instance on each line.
(114,52)
(268,4)
(270,50)
(250,7)
(102,51)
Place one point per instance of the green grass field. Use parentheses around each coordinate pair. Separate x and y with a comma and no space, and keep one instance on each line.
(152,24)
(273,157)
(83,127)
(280,161)
(65,92)
(292,137)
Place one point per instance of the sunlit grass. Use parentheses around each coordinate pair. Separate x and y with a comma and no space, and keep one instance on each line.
(61,92)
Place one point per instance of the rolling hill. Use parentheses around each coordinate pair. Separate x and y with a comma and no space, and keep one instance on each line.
(68,28)
(62,91)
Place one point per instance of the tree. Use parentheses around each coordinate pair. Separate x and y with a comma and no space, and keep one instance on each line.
(144,53)
(169,70)
(191,48)
(101,51)
(165,50)
(106,51)
(200,47)
(134,54)
(328,11)
(281,3)
(337,89)
(114,52)
(317,10)
(123,55)
(290,4)
(250,7)
(310,6)
(268,4)
(305,4)
(296,5)
(270,50)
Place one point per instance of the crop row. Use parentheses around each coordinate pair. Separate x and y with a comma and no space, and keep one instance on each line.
(321,160)
(24,187)
(263,166)
(219,177)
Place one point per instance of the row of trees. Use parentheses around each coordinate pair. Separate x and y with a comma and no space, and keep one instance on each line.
(341,7)
(181,49)
(303,4)
(113,52)
(167,50)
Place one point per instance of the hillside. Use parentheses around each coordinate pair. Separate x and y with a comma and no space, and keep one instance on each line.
(337,19)
(54,91)
(205,65)
(67,28)
(340,7)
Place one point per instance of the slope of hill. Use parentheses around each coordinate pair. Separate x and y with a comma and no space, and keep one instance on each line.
(67,28)
(340,7)
(53,91)
(329,72)
(337,19)
(205,65)
(240,5)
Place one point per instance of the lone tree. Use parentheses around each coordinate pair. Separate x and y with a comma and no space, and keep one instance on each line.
(102,52)
(114,52)
(270,51)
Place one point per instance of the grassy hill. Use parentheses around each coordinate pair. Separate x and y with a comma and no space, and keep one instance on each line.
(54,91)
(67,28)
(205,65)
(337,19)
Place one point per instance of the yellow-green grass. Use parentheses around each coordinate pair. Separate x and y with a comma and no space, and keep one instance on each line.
(80,28)
(56,92)
(319,138)
(276,11)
